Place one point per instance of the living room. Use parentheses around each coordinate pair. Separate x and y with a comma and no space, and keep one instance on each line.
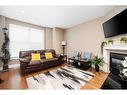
(64,38)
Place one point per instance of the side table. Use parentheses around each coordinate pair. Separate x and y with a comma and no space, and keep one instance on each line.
(80,63)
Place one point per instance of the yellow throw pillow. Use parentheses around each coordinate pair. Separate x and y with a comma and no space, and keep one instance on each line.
(48,55)
(36,56)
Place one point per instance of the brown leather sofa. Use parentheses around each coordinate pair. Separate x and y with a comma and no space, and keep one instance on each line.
(27,65)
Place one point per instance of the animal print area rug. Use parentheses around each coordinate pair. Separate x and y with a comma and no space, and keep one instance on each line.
(67,77)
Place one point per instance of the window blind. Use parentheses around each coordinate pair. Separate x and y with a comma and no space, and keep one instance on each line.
(24,38)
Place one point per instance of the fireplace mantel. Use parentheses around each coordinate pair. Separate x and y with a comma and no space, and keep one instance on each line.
(112,48)
(115,47)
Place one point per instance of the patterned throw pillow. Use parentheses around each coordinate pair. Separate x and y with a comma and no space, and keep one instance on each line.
(48,55)
(36,56)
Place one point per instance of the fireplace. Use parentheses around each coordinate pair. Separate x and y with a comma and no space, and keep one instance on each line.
(115,62)
(114,80)
(107,50)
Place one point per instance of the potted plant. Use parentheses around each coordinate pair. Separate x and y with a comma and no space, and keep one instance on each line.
(110,42)
(97,62)
(123,40)
(5,50)
(102,45)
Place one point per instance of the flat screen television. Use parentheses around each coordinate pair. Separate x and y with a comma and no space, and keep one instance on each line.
(116,25)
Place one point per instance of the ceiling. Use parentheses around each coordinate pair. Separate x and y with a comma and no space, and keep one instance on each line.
(54,16)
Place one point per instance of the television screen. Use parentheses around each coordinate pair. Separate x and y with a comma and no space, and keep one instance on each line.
(116,25)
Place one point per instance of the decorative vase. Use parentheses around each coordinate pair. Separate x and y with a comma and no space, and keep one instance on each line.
(97,68)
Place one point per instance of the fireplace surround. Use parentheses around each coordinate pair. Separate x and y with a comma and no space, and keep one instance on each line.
(106,54)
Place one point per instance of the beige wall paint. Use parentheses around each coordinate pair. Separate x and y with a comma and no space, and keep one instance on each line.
(84,37)
(2,21)
(48,38)
(58,36)
(89,35)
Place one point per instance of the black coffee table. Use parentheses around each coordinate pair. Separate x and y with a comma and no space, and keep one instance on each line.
(80,63)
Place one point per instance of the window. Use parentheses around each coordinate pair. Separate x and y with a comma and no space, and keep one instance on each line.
(24,38)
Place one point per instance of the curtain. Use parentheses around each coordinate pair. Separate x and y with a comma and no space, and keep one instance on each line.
(24,38)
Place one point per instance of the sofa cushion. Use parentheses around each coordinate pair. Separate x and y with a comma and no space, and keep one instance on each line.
(33,63)
(48,60)
(52,59)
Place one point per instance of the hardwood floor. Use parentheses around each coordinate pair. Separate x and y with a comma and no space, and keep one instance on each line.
(97,81)
(13,79)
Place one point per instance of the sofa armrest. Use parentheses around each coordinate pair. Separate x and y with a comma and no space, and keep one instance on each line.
(60,57)
(24,60)
(57,55)
(23,64)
